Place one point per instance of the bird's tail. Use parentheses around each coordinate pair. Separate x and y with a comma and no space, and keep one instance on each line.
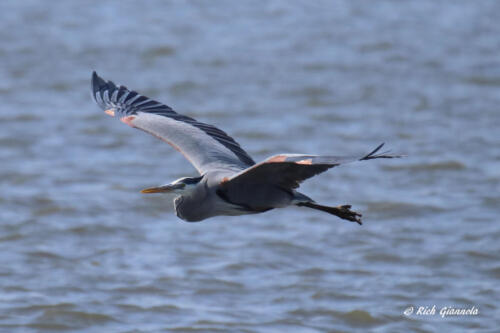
(344,212)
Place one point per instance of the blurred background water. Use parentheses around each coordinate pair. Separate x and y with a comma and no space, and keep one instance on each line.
(82,250)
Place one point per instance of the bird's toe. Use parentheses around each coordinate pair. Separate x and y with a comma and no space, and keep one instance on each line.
(350,215)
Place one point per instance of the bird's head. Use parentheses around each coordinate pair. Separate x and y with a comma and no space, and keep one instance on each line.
(180,186)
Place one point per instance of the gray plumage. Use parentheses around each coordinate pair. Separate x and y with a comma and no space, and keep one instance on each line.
(230,183)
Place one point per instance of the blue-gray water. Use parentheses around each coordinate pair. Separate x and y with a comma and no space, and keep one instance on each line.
(82,250)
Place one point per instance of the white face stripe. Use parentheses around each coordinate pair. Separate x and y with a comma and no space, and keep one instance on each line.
(188,181)
(177,181)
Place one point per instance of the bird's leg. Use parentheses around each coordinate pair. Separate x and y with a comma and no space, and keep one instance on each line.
(344,212)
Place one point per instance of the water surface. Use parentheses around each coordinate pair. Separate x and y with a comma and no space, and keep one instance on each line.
(82,250)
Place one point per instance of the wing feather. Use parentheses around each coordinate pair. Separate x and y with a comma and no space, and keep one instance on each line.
(289,170)
(205,146)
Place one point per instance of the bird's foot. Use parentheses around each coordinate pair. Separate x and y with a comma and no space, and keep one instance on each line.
(345,212)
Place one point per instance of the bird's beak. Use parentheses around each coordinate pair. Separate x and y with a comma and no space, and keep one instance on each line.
(164,188)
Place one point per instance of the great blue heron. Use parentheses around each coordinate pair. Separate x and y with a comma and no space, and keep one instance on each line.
(230,182)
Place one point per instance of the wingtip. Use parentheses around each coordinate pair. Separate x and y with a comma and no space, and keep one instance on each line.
(368,156)
(94,77)
(96,80)
(97,84)
(384,154)
(377,149)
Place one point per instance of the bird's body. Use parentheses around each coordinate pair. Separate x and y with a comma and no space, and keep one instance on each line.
(204,197)
(230,182)
(209,197)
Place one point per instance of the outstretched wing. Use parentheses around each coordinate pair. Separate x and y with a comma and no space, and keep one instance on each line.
(289,170)
(205,146)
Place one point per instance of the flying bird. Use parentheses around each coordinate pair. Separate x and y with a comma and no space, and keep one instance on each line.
(230,182)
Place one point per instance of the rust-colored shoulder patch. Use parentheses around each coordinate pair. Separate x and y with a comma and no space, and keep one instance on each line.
(279,158)
(110,112)
(224,180)
(306,161)
(128,120)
